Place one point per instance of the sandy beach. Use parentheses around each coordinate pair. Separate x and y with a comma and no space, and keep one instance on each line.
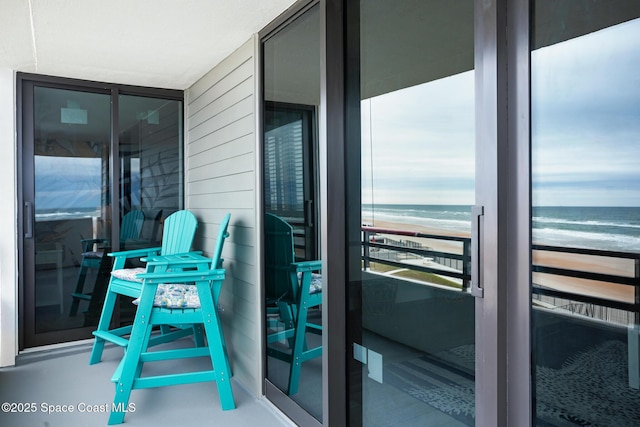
(439,245)
(595,264)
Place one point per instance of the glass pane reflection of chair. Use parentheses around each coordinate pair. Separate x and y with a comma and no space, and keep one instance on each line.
(177,238)
(51,253)
(292,288)
(91,259)
(180,289)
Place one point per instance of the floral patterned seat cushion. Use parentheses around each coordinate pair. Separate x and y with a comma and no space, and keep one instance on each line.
(168,295)
(129,274)
(316,282)
(175,296)
(93,254)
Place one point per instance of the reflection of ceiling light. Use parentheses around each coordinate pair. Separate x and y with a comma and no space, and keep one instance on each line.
(151,116)
(73,114)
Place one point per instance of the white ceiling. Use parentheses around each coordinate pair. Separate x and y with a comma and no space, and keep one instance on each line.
(157,43)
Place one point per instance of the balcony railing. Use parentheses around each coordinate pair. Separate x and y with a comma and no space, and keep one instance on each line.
(387,247)
(633,279)
(380,248)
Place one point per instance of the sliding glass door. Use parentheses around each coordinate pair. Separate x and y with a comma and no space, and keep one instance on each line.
(585,97)
(479,213)
(90,155)
(293,318)
(66,171)
(411,210)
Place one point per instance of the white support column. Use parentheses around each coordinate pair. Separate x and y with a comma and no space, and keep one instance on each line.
(8,234)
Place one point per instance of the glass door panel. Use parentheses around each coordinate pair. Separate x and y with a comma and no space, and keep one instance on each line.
(151,164)
(291,73)
(585,99)
(289,184)
(151,172)
(70,211)
(413,188)
(67,154)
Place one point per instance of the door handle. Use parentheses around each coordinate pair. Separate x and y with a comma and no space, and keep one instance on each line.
(308,213)
(28,217)
(477,289)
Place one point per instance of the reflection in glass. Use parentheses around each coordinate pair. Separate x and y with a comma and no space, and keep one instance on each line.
(289,183)
(414,346)
(151,174)
(71,167)
(586,213)
(73,203)
(293,291)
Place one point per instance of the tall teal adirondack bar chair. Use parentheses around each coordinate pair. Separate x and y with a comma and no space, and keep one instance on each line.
(177,238)
(292,288)
(170,295)
(130,228)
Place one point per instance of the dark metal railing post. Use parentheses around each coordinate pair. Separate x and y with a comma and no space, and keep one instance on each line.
(365,243)
(636,314)
(466,264)
(633,343)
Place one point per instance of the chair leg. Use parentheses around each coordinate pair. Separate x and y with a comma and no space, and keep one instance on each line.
(198,335)
(217,349)
(131,364)
(103,325)
(82,275)
(287,318)
(298,348)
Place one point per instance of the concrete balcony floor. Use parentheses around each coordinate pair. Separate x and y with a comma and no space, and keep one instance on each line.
(62,376)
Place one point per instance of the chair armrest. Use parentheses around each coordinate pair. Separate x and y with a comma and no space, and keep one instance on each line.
(303,266)
(175,259)
(182,276)
(136,253)
(92,241)
(88,243)
(302,273)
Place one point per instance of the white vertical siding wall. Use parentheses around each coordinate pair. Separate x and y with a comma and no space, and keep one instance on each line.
(221,177)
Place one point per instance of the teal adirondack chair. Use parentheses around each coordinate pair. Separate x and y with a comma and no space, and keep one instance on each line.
(184,297)
(292,288)
(177,238)
(130,228)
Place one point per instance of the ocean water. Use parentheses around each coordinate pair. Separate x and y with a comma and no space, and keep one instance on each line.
(60,214)
(604,228)
(608,228)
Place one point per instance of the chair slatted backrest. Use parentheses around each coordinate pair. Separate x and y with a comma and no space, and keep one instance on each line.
(279,254)
(131,226)
(222,235)
(178,232)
